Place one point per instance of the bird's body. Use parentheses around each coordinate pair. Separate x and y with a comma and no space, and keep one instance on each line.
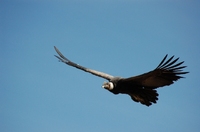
(141,88)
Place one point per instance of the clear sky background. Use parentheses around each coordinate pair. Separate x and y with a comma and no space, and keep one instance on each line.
(123,38)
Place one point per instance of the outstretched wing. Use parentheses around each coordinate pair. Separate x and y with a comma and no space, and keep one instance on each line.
(70,63)
(166,73)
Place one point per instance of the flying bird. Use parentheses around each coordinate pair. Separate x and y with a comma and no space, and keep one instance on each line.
(141,88)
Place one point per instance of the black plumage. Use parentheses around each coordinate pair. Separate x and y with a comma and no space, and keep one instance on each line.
(141,88)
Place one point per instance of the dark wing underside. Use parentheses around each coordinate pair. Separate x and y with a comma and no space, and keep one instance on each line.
(166,73)
(62,58)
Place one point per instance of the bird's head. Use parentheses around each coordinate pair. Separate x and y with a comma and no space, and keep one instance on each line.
(108,85)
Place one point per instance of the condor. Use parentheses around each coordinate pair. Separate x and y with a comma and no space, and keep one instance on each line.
(141,88)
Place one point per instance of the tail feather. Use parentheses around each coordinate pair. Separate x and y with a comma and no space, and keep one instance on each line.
(145,96)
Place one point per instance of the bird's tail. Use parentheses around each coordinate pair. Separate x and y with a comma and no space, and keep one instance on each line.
(145,96)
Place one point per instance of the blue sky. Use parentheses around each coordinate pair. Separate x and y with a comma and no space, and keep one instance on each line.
(122,38)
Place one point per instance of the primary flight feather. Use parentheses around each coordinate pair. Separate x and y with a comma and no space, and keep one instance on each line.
(141,88)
